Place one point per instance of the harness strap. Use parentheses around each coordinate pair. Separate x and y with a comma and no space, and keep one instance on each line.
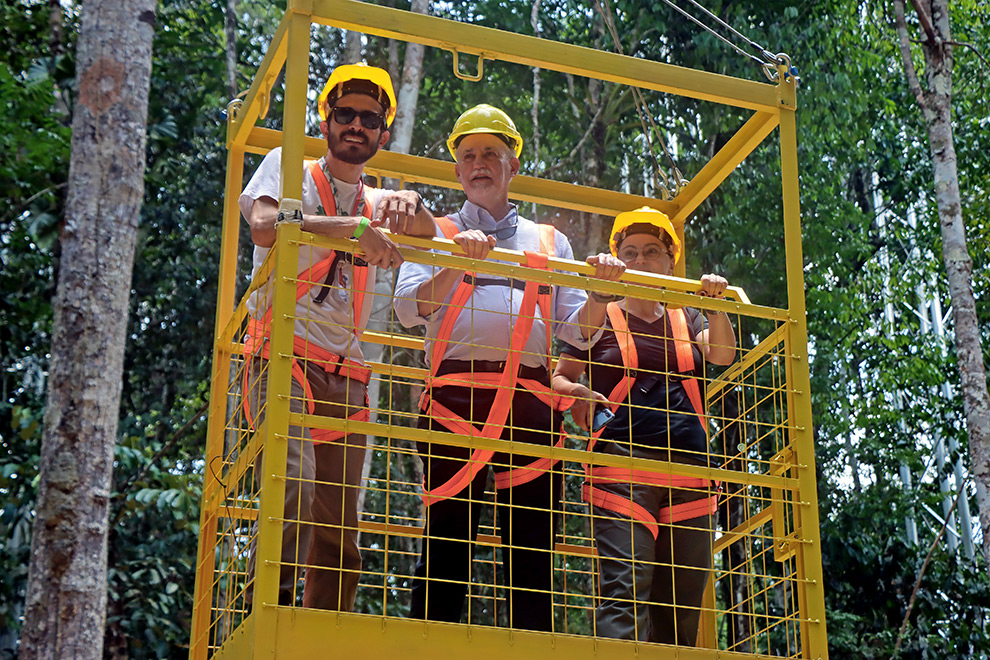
(360,267)
(505,383)
(523,474)
(258,331)
(630,362)
(685,361)
(618,504)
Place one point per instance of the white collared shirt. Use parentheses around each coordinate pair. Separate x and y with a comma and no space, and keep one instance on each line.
(484,327)
(328,324)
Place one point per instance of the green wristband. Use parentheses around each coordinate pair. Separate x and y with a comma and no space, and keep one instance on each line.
(361,227)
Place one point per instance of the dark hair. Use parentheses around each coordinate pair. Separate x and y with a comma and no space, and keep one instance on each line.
(509,142)
(358,86)
(644,228)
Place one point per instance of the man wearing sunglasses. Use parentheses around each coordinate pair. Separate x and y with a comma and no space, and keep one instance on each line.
(334,300)
(488,346)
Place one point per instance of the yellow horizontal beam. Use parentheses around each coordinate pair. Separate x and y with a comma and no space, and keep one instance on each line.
(304,633)
(542,451)
(734,373)
(741,531)
(256,102)
(722,164)
(394,340)
(530,51)
(636,284)
(433,172)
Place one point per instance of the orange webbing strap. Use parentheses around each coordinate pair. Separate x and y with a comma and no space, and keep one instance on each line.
(621,505)
(506,386)
(523,474)
(630,362)
(490,380)
(689,510)
(548,247)
(685,361)
(457,302)
(360,272)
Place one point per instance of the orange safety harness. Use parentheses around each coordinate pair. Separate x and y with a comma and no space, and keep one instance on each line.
(259,330)
(504,383)
(605,474)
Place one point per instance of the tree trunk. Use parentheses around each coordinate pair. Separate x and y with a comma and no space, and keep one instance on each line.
(352,47)
(936,104)
(230,29)
(66,597)
(534,21)
(412,71)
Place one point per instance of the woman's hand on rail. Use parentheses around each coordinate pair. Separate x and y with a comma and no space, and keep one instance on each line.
(713,286)
(606,266)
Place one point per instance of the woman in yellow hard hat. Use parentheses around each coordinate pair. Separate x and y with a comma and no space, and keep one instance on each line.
(653,531)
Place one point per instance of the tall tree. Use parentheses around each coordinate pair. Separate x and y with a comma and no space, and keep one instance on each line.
(935,101)
(408,92)
(66,602)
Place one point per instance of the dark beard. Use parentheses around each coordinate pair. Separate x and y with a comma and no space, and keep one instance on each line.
(352,154)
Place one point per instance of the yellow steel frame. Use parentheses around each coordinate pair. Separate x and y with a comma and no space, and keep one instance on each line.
(273,631)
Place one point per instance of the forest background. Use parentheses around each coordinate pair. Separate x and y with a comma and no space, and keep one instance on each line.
(883,384)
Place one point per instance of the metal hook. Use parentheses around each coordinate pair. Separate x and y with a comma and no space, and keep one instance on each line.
(234,109)
(463,76)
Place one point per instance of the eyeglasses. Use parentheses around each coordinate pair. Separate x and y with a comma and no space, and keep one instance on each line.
(369,118)
(650,253)
(503,233)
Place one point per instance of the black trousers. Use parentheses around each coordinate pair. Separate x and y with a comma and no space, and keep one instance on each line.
(528,516)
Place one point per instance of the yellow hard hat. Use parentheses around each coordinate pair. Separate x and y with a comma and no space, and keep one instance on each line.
(358,79)
(644,216)
(484,118)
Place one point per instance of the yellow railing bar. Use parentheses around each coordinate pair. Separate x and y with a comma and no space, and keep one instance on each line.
(543,451)
(677,290)
(740,531)
(734,373)
(746,139)
(256,102)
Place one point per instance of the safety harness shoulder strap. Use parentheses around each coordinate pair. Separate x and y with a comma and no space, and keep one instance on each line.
(506,382)
(605,474)
(259,330)
(359,270)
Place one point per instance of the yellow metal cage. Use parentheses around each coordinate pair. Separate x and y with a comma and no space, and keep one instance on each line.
(764,591)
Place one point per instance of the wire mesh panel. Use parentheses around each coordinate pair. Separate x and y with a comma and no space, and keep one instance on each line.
(738,551)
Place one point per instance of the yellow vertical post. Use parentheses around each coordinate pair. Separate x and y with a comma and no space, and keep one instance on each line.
(202,594)
(294,111)
(811,600)
(276,428)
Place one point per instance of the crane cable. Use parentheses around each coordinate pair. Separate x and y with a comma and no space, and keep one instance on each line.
(645,116)
(769,62)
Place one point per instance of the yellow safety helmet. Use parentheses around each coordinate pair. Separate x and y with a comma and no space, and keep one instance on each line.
(358,79)
(485,118)
(626,224)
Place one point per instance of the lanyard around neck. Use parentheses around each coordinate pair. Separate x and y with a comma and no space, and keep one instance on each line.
(358,208)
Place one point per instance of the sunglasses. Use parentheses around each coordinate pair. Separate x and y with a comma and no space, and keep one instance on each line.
(629,254)
(369,118)
(503,233)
